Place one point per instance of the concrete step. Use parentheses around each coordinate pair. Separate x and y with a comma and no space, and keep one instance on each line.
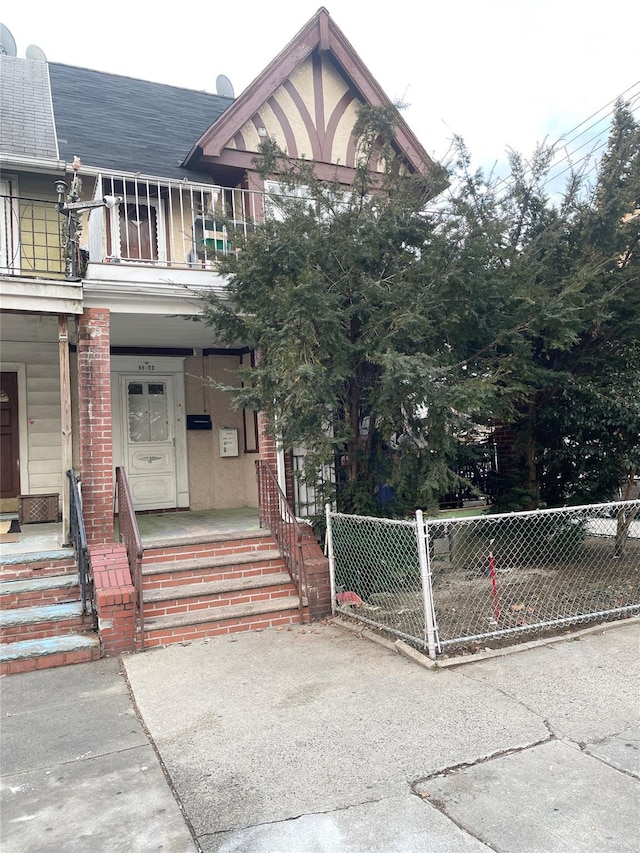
(37,623)
(37,564)
(37,591)
(211,568)
(212,621)
(47,653)
(196,596)
(209,541)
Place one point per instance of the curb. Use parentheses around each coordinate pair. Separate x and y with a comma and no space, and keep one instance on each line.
(407,651)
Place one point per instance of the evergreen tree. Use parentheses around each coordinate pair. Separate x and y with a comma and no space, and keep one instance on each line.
(336,291)
(576,416)
(393,329)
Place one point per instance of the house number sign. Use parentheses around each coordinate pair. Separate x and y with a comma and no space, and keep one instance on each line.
(146,367)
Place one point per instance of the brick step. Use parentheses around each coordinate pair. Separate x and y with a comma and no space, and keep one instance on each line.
(211,568)
(37,623)
(218,593)
(35,591)
(220,545)
(210,622)
(37,564)
(44,654)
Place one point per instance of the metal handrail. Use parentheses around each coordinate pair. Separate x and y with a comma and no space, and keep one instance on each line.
(277,515)
(78,536)
(130,537)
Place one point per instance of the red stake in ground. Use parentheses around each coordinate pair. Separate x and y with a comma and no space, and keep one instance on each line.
(494,584)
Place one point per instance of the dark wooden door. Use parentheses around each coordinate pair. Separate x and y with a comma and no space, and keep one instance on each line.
(138,232)
(9,436)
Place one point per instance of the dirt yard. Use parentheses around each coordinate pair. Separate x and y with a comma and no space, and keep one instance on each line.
(472,605)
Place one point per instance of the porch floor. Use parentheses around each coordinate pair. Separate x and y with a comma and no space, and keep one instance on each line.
(33,538)
(195,526)
(163,528)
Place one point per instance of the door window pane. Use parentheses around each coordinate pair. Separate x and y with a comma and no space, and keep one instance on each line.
(147,410)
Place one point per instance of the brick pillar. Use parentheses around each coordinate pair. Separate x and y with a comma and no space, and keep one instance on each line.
(115,598)
(316,570)
(269,452)
(267,443)
(96,444)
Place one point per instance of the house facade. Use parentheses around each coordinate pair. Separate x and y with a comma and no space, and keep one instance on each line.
(102,360)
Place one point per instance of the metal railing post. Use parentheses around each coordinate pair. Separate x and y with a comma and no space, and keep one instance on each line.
(130,537)
(422,536)
(332,558)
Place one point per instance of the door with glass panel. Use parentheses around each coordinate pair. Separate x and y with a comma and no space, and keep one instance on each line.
(149,431)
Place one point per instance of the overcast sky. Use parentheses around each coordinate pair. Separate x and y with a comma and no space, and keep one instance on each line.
(501,73)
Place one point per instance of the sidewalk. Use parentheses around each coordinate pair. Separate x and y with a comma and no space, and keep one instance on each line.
(317,741)
(78,771)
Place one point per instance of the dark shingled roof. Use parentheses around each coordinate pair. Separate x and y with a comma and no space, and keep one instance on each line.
(114,122)
(26,120)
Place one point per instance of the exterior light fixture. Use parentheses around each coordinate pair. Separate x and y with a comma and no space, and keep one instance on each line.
(67,207)
(70,209)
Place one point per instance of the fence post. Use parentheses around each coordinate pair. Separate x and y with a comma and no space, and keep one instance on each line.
(425,575)
(332,559)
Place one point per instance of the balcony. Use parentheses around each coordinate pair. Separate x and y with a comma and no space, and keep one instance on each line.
(169,223)
(161,242)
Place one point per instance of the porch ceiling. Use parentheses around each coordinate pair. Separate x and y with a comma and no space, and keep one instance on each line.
(157,330)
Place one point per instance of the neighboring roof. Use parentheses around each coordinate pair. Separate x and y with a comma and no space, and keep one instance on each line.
(322,34)
(129,125)
(26,119)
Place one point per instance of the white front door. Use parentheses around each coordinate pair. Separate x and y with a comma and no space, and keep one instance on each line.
(150,440)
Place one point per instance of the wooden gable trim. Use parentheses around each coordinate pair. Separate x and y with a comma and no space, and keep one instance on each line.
(257,93)
(373,93)
(246,160)
(319,33)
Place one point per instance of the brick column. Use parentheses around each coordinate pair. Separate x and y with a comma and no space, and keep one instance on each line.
(115,598)
(316,569)
(96,445)
(266,443)
(268,450)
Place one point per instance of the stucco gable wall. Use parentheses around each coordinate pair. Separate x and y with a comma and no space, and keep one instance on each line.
(310,116)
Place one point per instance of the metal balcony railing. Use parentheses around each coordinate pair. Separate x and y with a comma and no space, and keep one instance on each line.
(170,223)
(155,222)
(32,237)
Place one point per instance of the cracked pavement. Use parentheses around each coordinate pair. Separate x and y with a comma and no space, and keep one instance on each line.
(314,740)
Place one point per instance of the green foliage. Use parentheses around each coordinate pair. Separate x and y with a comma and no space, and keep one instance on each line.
(391,328)
(576,418)
(336,291)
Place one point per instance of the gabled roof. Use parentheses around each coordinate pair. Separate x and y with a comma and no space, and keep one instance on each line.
(321,34)
(129,125)
(26,118)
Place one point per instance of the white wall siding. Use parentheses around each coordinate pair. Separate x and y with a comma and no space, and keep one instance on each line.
(35,345)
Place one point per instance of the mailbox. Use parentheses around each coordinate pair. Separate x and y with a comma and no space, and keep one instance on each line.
(199,422)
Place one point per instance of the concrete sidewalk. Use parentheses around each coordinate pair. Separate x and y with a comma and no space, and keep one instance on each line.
(78,771)
(317,741)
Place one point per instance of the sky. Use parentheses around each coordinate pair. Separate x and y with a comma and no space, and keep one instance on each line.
(502,74)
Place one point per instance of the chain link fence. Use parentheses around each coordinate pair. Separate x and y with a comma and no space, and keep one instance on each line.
(447,583)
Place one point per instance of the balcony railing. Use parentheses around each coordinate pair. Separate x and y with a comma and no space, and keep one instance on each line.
(162,223)
(32,237)
(169,223)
